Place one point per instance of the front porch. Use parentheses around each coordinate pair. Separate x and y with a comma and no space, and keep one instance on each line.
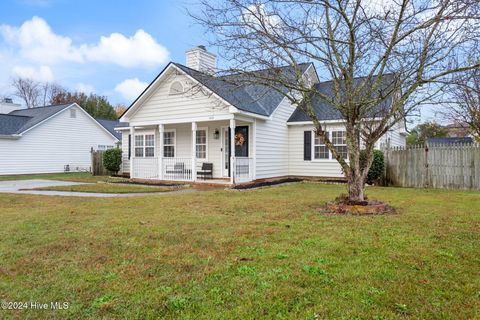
(194,152)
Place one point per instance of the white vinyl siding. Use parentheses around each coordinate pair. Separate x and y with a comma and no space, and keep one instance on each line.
(125,151)
(272,143)
(163,106)
(50,146)
(324,167)
(315,167)
(395,137)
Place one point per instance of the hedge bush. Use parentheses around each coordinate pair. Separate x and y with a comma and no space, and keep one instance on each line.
(112,159)
(377,168)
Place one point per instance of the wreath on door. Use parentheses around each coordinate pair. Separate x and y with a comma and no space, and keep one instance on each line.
(239,139)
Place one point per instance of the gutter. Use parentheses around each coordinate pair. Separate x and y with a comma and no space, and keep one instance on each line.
(10,136)
(251,114)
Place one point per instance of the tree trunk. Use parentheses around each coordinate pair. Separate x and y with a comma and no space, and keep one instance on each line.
(355,176)
(356,187)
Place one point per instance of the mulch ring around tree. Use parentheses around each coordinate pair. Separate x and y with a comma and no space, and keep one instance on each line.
(343,206)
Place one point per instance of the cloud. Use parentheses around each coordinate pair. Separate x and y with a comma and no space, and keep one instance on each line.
(42,73)
(37,42)
(139,50)
(131,88)
(85,88)
(256,15)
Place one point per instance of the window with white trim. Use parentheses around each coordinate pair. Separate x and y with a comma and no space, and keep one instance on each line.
(138,145)
(339,140)
(169,144)
(103,147)
(149,145)
(176,88)
(320,150)
(145,145)
(201,144)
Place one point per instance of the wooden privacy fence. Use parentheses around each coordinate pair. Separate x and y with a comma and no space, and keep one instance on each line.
(97,164)
(434,166)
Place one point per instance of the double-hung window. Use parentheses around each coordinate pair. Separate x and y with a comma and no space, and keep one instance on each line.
(145,145)
(149,145)
(169,144)
(201,144)
(138,145)
(320,149)
(339,140)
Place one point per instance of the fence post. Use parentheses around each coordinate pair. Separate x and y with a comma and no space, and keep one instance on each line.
(427,178)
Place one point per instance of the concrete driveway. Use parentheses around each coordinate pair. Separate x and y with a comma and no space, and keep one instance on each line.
(17,186)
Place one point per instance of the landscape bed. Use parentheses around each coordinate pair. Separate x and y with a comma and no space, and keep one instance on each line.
(265,253)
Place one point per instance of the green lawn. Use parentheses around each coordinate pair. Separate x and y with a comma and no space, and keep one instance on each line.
(71,176)
(109,188)
(242,255)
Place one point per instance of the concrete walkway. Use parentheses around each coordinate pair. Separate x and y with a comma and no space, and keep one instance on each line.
(18,186)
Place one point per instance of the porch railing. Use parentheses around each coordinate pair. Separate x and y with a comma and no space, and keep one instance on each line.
(177,169)
(145,168)
(243,169)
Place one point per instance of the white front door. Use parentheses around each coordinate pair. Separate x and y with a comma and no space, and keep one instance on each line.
(225,152)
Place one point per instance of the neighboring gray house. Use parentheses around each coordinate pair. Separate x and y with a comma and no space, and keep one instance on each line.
(450,141)
(47,139)
(186,117)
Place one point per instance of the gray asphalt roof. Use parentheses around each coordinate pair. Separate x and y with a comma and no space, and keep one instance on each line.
(10,124)
(245,96)
(325,111)
(21,120)
(450,140)
(34,115)
(110,125)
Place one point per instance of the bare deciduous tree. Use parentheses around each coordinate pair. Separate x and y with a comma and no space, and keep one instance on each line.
(464,107)
(28,90)
(370,50)
(35,93)
(49,91)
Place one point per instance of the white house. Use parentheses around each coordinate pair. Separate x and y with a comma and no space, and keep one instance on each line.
(50,139)
(187,117)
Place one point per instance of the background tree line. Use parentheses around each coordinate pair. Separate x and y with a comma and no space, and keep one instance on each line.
(36,93)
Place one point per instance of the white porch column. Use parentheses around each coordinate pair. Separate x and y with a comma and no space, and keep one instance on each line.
(132,150)
(232,151)
(194,151)
(161,130)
